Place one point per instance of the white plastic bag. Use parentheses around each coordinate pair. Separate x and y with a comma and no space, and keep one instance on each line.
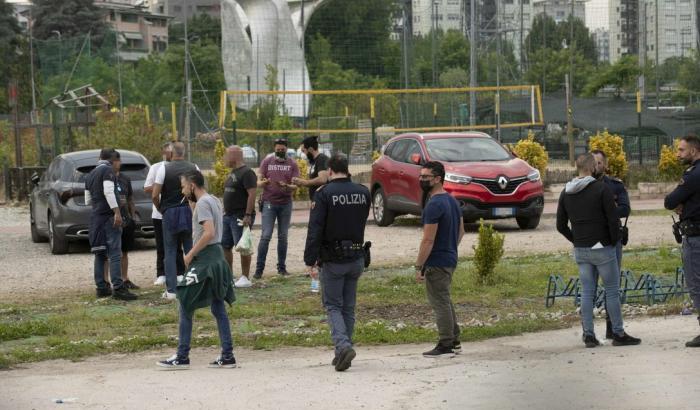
(245,244)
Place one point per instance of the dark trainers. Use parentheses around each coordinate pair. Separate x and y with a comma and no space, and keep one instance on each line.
(283,273)
(693,343)
(131,285)
(258,275)
(335,361)
(590,341)
(457,347)
(103,292)
(123,294)
(608,329)
(223,363)
(625,340)
(175,363)
(345,359)
(440,352)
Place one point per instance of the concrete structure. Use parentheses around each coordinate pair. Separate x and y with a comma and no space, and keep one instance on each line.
(602,44)
(624,28)
(177,9)
(449,14)
(516,22)
(140,31)
(669,27)
(261,33)
(560,10)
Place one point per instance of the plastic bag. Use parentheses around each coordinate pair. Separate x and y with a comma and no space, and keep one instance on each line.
(245,244)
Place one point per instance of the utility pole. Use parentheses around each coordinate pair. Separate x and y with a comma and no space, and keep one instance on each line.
(434,38)
(303,67)
(544,46)
(498,71)
(472,63)
(31,66)
(188,85)
(405,43)
(570,88)
(522,55)
(656,47)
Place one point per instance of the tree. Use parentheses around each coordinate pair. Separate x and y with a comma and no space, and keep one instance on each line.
(554,65)
(622,75)
(454,77)
(584,42)
(542,35)
(10,47)
(200,28)
(70,18)
(453,51)
(689,73)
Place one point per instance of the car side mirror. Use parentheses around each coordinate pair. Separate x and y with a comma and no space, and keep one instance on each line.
(416,159)
(35,178)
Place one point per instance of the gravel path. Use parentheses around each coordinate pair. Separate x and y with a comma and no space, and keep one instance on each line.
(26,267)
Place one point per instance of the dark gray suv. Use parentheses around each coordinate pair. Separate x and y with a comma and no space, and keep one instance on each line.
(57,208)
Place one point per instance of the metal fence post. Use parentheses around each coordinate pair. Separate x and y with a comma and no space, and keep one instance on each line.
(639,140)
(371,118)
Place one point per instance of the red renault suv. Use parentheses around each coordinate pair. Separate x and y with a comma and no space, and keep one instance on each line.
(486,179)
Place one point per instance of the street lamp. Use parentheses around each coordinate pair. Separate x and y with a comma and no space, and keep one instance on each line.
(60,49)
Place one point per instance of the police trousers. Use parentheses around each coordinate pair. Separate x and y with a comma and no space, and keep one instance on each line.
(339,292)
(691,268)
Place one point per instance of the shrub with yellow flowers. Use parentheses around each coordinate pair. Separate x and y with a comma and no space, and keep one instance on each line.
(670,168)
(216,181)
(302,192)
(613,147)
(532,152)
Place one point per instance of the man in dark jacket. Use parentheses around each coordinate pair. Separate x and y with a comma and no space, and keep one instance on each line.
(589,206)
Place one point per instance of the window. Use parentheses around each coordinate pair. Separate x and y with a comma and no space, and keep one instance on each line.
(398,150)
(466,149)
(413,148)
(526,1)
(54,171)
(130,18)
(177,9)
(685,17)
(670,32)
(111,15)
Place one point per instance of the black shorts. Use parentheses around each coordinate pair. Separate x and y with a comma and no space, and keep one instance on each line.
(128,234)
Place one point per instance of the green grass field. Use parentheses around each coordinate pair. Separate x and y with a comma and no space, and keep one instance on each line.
(392,309)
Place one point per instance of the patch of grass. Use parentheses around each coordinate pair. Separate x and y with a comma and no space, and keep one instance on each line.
(391,308)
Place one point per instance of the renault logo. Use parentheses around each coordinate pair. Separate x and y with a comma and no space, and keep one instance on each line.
(502,182)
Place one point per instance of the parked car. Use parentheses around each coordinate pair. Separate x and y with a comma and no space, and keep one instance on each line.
(57,209)
(486,179)
(250,156)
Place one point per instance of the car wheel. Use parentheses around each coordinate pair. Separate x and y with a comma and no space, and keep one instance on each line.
(382,215)
(36,237)
(528,223)
(57,242)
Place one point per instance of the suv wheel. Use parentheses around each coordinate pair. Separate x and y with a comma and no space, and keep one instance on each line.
(57,242)
(382,215)
(36,237)
(528,223)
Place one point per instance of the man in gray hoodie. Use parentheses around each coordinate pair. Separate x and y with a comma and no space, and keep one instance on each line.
(588,205)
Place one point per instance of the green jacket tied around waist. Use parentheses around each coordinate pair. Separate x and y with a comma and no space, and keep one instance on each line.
(208,278)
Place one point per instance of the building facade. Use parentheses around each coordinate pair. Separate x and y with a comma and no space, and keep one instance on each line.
(178,11)
(448,13)
(560,10)
(601,37)
(669,28)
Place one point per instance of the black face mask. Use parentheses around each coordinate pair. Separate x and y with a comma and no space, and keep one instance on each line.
(280,155)
(425,186)
(309,156)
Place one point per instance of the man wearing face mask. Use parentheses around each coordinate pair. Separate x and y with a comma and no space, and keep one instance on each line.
(685,201)
(443,229)
(318,166)
(622,210)
(276,172)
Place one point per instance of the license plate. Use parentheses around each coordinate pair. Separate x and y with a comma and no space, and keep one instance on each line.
(502,211)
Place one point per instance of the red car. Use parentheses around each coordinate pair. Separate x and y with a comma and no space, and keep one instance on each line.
(486,179)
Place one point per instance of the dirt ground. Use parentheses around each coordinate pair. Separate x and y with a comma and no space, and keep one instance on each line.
(550,370)
(26,267)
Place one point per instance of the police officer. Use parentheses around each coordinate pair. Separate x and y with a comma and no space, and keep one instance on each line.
(335,243)
(685,200)
(622,210)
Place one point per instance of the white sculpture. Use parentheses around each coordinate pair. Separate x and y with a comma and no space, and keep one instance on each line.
(258,33)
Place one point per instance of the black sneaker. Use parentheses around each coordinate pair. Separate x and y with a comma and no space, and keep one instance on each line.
(335,361)
(693,343)
(131,285)
(223,363)
(590,341)
(440,352)
(608,329)
(103,292)
(283,273)
(457,347)
(344,359)
(258,275)
(625,340)
(123,294)
(175,363)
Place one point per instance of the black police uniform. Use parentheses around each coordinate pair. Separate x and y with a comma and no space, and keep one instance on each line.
(687,193)
(335,241)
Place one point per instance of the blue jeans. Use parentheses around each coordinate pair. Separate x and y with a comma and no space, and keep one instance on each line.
(594,263)
(218,310)
(113,253)
(283,215)
(691,268)
(339,290)
(171,242)
(232,230)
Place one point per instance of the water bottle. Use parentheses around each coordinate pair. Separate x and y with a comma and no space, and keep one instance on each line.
(314,285)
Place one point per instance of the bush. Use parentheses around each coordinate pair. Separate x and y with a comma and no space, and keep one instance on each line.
(532,152)
(612,146)
(375,155)
(487,252)
(302,192)
(216,181)
(670,168)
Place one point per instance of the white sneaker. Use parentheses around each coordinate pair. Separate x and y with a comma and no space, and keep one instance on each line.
(160,280)
(243,282)
(169,296)
(180,278)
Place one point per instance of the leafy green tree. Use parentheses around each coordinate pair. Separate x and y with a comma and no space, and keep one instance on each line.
(454,77)
(689,73)
(201,28)
(10,49)
(584,42)
(453,51)
(542,35)
(622,75)
(554,65)
(70,18)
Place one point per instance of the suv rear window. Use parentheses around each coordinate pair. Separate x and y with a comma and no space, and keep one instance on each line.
(466,149)
(135,172)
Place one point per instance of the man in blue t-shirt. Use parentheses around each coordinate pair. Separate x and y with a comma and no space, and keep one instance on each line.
(443,230)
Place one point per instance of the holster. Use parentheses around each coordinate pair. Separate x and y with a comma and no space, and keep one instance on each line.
(368,254)
(689,228)
(341,251)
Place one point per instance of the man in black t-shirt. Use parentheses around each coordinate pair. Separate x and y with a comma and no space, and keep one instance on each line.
(318,167)
(239,208)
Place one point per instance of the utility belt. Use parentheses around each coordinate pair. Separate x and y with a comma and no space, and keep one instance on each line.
(345,251)
(688,228)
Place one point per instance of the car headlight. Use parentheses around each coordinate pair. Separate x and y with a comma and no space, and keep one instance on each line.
(534,176)
(458,179)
